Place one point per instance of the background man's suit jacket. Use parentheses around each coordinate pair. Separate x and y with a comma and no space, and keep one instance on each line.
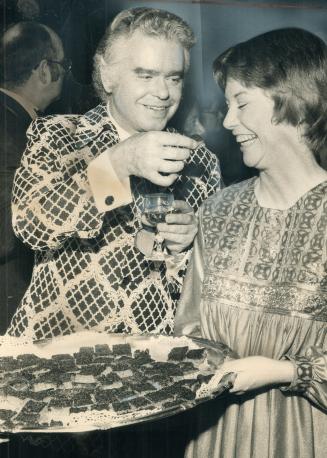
(16,260)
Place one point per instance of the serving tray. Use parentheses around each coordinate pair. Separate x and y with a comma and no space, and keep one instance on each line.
(89,380)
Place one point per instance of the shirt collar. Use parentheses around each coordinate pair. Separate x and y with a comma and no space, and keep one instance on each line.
(123,134)
(26,104)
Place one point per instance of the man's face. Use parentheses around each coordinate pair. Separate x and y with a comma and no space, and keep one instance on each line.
(146,86)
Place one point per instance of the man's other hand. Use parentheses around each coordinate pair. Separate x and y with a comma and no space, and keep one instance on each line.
(156,156)
(180,227)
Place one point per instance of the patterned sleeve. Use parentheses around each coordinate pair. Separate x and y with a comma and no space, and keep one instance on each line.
(311,376)
(212,170)
(52,200)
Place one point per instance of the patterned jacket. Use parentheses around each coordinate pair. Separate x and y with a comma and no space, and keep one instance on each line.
(88,273)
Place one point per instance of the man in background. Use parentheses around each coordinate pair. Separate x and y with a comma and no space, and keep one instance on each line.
(32,68)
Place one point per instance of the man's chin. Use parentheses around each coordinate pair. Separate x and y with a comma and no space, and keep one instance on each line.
(154,125)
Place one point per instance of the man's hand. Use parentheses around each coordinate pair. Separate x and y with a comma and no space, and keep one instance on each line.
(256,372)
(180,227)
(150,154)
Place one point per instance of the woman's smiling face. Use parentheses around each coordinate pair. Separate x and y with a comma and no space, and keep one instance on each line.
(250,118)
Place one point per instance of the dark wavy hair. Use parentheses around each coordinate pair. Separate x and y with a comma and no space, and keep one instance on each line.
(291,65)
(150,21)
(22,50)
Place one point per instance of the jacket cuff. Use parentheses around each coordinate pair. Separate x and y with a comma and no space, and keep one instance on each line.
(109,192)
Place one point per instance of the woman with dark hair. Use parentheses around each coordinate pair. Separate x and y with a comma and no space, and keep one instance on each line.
(258,277)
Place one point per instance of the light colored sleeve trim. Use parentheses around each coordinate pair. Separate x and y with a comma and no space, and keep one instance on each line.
(105,183)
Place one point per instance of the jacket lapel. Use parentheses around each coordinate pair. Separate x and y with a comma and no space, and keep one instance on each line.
(92,124)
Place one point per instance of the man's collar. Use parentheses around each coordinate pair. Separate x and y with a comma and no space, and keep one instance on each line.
(26,104)
(94,122)
(123,134)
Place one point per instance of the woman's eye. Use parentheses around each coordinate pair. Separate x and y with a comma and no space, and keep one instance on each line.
(241,105)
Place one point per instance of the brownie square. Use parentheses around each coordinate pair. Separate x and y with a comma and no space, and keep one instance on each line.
(168,369)
(40,395)
(160,395)
(120,366)
(62,357)
(140,387)
(100,406)
(6,414)
(93,369)
(202,378)
(8,363)
(140,402)
(102,350)
(196,353)
(184,393)
(105,396)
(86,350)
(28,359)
(82,398)
(60,402)
(120,406)
(142,356)
(85,355)
(187,366)
(108,379)
(103,360)
(33,407)
(78,409)
(27,419)
(67,365)
(122,349)
(55,423)
(170,404)
(177,353)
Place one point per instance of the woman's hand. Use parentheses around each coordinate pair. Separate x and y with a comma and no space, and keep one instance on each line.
(255,372)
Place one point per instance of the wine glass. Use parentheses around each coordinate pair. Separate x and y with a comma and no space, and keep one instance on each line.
(156,207)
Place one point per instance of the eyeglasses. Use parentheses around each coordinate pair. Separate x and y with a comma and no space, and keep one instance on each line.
(66,64)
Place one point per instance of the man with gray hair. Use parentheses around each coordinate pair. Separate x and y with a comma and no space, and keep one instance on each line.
(79,193)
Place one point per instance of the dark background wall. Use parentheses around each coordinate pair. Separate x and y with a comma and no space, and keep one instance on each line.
(218,24)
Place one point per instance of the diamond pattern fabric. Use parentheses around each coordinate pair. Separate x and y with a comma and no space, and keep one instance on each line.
(88,273)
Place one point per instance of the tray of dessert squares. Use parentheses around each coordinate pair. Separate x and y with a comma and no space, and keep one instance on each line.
(90,380)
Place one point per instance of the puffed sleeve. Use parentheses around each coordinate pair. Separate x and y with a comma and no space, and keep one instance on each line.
(187,319)
(311,376)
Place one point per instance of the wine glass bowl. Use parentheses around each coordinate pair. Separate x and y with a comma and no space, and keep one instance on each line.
(156,207)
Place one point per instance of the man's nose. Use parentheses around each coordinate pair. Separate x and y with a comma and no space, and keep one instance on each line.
(230,120)
(161,88)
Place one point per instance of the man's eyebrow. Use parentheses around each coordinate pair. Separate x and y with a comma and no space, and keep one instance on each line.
(176,73)
(147,71)
(141,70)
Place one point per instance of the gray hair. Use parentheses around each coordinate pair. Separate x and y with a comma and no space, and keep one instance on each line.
(149,21)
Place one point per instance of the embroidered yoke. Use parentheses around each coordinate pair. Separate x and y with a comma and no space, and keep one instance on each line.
(263,277)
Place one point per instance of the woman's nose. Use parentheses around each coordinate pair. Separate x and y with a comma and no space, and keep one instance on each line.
(230,120)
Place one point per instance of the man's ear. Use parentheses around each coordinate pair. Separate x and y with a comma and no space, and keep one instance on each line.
(44,72)
(106,74)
